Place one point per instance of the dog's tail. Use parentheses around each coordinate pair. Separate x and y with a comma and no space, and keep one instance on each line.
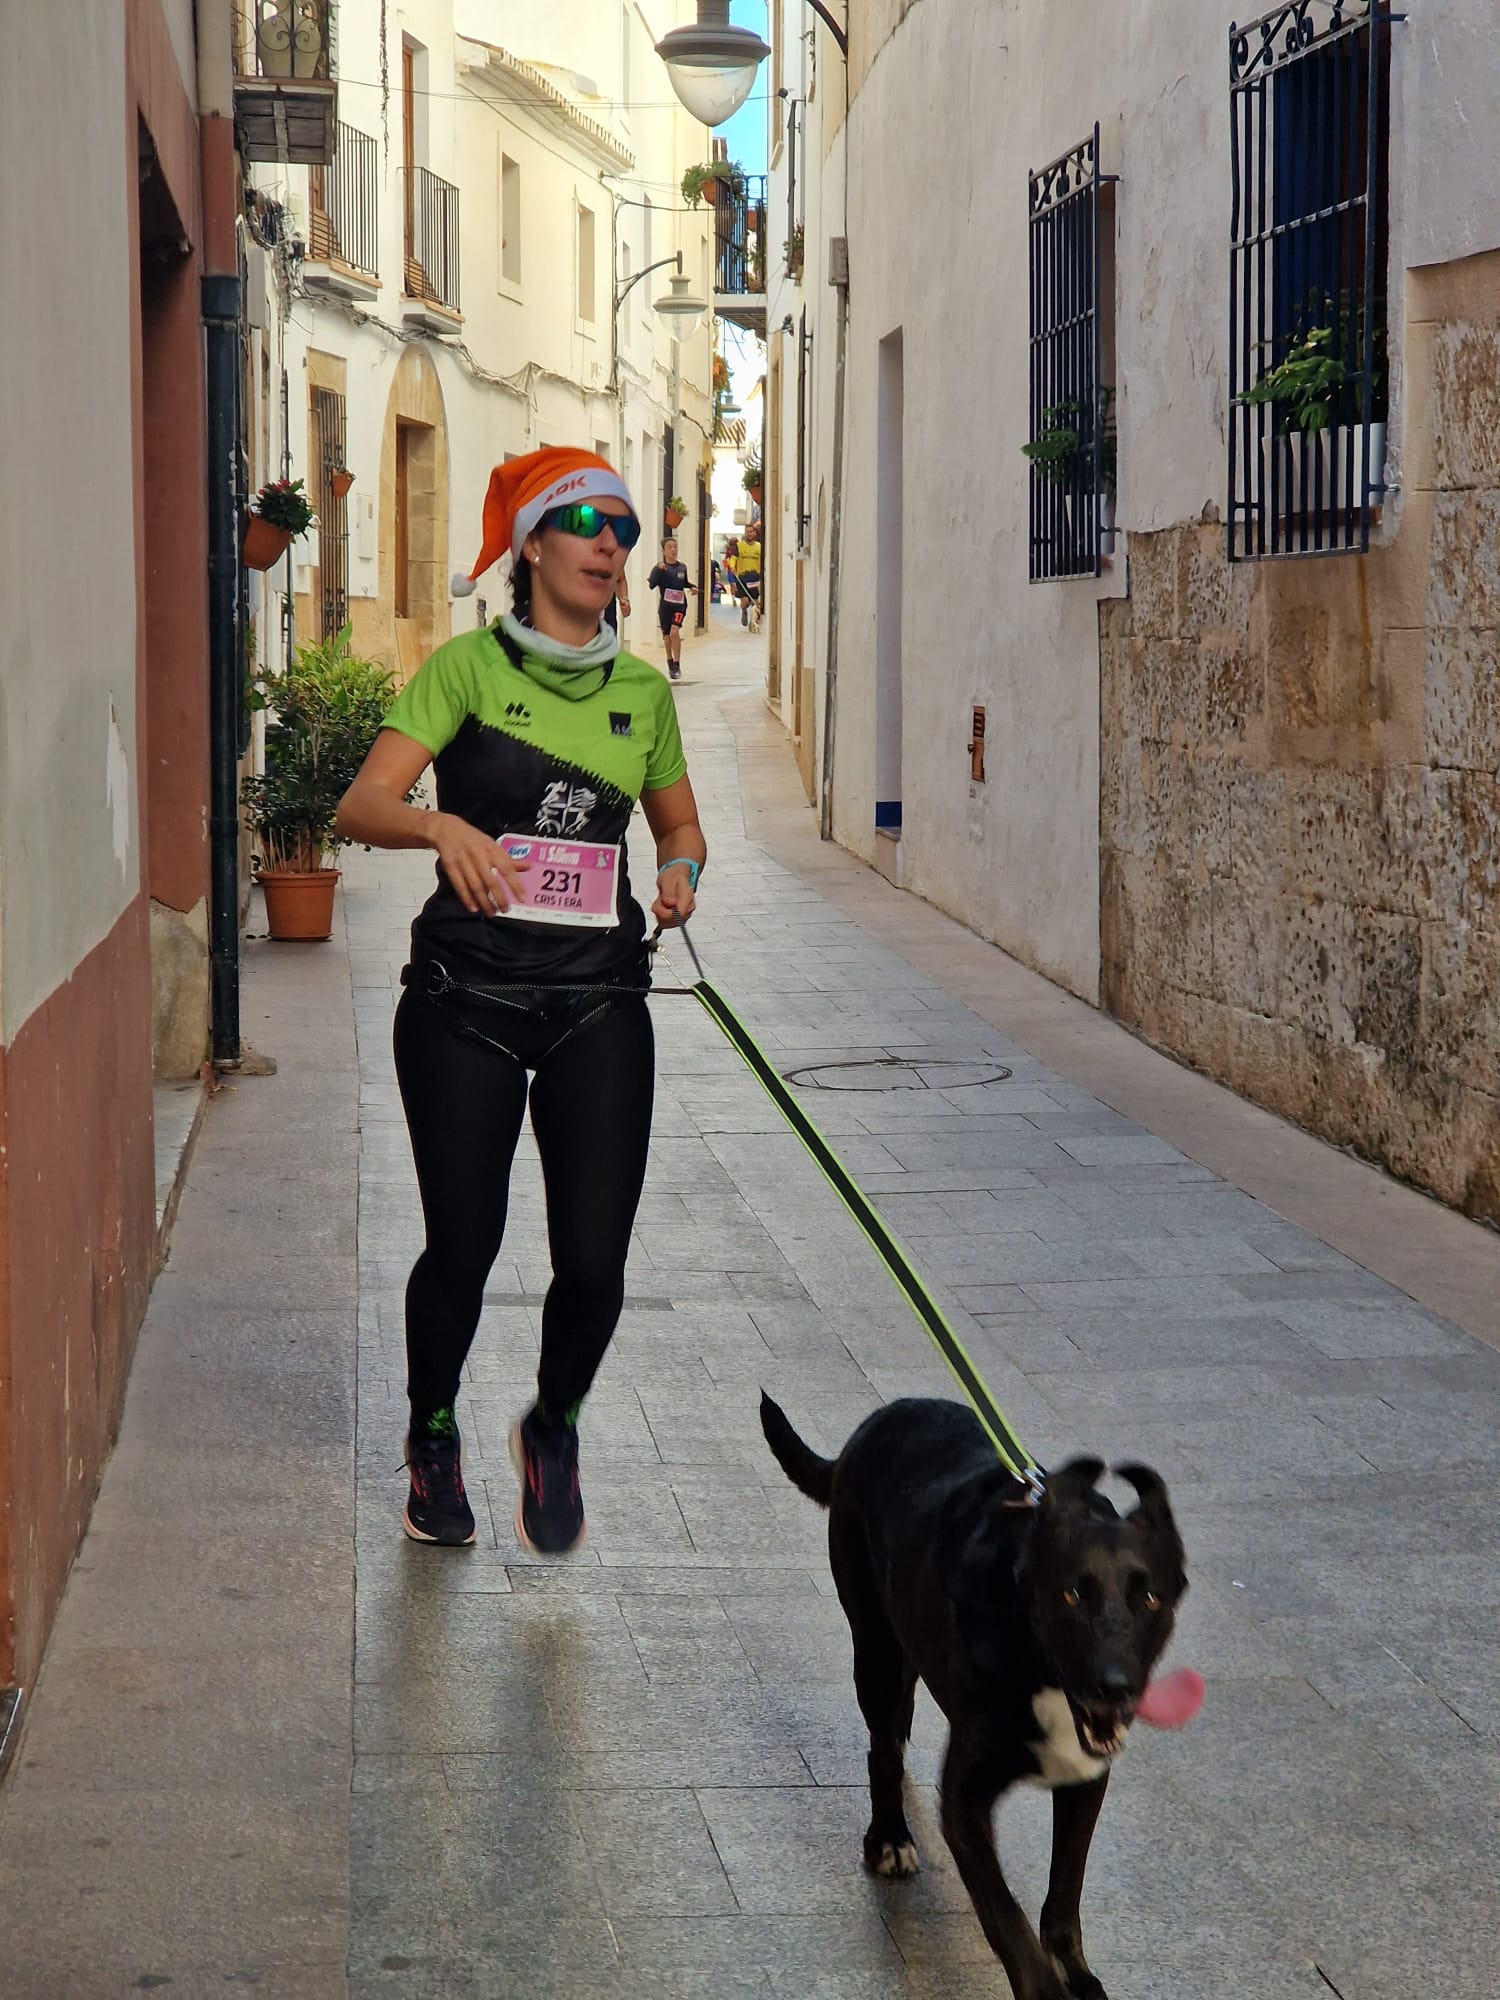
(801,1464)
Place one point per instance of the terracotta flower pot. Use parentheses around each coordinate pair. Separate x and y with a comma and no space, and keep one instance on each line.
(755,493)
(340,482)
(299,907)
(264,544)
(674,518)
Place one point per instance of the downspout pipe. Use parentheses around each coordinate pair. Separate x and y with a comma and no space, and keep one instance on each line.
(221,324)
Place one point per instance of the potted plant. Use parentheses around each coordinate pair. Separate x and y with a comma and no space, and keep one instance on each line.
(1313,394)
(326,711)
(792,250)
(340,479)
(700,184)
(278,512)
(676,511)
(753,477)
(1063,456)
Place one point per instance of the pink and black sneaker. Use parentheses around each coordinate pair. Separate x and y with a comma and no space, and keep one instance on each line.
(549,1511)
(437,1508)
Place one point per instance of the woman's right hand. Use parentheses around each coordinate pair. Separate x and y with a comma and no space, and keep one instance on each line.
(485,879)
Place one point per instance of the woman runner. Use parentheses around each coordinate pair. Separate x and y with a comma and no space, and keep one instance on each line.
(528,963)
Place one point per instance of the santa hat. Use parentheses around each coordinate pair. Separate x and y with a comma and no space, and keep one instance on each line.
(524,489)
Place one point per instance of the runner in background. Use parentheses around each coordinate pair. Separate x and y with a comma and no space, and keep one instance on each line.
(670,577)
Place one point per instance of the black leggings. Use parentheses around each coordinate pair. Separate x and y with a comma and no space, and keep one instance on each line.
(591,1102)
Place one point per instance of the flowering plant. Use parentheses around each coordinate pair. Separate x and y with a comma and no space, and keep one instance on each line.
(284,505)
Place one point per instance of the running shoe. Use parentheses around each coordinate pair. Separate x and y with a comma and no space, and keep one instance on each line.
(437,1508)
(549,1510)
(674,672)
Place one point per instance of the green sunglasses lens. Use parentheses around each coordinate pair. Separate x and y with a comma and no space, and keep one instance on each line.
(588,521)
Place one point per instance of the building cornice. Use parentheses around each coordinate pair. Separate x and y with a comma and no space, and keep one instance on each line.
(528,87)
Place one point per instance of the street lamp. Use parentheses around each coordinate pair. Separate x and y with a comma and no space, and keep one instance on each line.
(713,66)
(680,306)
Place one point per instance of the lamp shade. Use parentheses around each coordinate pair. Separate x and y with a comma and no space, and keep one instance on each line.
(680,306)
(713,66)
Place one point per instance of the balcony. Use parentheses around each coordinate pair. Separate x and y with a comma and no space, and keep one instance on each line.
(285,95)
(430,272)
(343,237)
(740,256)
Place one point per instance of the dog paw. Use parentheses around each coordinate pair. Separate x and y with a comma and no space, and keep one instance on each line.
(894,1859)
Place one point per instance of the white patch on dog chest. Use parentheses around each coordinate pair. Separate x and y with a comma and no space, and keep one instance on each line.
(1062,1758)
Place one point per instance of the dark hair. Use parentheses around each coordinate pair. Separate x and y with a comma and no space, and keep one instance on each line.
(520,589)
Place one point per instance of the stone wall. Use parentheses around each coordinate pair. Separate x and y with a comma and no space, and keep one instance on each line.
(1300,792)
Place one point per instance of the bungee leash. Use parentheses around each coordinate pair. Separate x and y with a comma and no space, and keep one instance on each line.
(1013,1453)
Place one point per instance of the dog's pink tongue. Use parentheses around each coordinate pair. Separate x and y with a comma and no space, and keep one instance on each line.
(1173,1701)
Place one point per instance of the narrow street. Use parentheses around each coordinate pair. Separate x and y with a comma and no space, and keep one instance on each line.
(275,1745)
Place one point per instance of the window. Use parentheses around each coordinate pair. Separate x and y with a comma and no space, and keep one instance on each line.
(1072,440)
(510,220)
(586,265)
(1310,115)
(625,25)
(343,204)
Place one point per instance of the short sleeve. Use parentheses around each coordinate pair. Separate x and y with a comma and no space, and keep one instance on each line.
(667,762)
(432,706)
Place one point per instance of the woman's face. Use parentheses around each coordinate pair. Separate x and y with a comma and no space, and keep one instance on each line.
(669,552)
(578,575)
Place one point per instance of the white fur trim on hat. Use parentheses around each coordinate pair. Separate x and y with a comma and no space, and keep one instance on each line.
(586,483)
(460,585)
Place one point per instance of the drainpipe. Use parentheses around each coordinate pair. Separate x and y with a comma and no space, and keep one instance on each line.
(221,323)
(835,537)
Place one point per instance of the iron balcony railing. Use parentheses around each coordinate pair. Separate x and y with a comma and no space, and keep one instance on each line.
(431,239)
(740,239)
(343,205)
(286,40)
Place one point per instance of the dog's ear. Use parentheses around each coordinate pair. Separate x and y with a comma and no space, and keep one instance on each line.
(1155,1512)
(1072,1483)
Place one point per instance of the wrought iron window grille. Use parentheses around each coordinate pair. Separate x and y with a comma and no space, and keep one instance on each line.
(1071,442)
(333,513)
(1308,376)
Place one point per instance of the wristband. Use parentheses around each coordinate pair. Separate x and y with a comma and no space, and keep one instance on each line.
(694,869)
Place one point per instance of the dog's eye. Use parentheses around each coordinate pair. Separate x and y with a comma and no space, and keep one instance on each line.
(1072,1598)
(1152,1601)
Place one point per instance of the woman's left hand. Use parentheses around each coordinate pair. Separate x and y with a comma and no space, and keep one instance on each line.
(675,901)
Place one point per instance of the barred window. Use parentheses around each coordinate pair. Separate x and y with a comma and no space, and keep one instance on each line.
(330,488)
(1309,389)
(1072,439)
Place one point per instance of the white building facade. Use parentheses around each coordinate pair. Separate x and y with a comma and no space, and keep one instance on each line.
(444,296)
(1160,764)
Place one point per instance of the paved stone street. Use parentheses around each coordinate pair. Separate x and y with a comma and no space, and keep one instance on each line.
(640,1772)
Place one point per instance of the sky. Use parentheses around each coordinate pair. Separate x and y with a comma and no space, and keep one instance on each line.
(746,130)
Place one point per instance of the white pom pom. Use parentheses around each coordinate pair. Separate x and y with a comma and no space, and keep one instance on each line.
(461,585)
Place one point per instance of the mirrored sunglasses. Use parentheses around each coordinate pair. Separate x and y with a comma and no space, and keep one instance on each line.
(586,520)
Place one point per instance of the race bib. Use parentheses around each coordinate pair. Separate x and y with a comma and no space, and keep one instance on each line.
(568,882)
(675,596)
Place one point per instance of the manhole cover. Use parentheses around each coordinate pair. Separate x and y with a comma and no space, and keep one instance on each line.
(897,1073)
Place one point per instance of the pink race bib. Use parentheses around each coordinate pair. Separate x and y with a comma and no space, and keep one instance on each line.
(568,881)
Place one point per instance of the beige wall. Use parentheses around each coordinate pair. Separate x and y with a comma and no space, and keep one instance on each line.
(1300,804)
(68,756)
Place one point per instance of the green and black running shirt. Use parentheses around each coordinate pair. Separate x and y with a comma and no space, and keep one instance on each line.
(512,755)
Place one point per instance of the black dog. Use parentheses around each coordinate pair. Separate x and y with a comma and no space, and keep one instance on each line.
(1034,1625)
